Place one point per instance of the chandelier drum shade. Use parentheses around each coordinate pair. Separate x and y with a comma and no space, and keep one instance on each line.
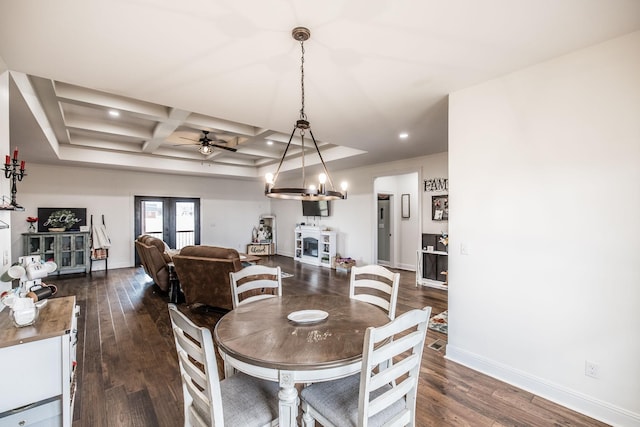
(324,190)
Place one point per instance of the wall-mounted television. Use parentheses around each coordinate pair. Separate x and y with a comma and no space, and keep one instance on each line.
(316,208)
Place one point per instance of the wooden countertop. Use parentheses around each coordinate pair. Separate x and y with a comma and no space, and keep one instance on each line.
(54,320)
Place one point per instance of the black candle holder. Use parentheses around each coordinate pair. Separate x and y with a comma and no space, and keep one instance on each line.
(14,170)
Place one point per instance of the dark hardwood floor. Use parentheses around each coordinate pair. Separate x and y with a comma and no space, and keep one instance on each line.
(128,371)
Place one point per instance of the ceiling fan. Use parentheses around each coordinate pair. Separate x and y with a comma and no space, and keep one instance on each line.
(207,144)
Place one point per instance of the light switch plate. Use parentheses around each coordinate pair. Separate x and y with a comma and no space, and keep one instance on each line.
(464,249)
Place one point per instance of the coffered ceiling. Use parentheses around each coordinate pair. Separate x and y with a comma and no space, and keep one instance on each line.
(93,123)
(373,69)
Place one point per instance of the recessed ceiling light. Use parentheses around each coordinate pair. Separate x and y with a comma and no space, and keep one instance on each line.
(269,142)
(403,135)
(114,113)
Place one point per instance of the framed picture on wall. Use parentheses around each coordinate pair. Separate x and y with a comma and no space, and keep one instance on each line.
(406,206)
(440,207)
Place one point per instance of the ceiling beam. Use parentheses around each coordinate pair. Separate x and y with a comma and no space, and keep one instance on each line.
(165,128)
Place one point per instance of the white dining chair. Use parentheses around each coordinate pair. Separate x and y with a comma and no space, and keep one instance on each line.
(376,285)
(255,282)
(239,400)
(374,397)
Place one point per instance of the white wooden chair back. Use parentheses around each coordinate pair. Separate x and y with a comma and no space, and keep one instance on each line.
(368,279)
(382,394)
(403,340)
(197,359)
(253,278)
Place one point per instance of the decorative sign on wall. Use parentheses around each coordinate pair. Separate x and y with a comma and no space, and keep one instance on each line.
(260,249)
(61,219)
(436,184)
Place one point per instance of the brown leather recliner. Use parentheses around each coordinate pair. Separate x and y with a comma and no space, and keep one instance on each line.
(155,260)
(203,272)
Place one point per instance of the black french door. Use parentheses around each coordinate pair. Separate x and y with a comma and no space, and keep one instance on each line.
(175,220)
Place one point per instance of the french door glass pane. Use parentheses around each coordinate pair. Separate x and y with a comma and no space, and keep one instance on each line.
(152,219)
(185,224)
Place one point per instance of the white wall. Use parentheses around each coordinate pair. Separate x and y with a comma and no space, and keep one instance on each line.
(229,208)
(544,167)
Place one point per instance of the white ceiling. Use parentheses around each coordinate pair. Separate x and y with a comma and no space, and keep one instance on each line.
(373,69)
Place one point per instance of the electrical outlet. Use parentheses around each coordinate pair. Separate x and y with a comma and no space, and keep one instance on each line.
(591,369)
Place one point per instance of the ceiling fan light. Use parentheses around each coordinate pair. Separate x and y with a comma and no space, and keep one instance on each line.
(205,149)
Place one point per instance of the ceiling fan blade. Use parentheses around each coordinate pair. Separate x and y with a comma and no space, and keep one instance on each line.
(189,139)
(225,148)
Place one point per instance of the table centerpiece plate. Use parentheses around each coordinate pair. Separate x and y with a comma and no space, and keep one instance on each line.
(307,316)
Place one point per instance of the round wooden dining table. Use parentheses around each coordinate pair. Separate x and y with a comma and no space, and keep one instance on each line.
(259,339)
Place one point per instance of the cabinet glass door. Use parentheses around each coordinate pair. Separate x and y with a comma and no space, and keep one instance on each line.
(48,248)
(34,247)
(78,250)
(65,251)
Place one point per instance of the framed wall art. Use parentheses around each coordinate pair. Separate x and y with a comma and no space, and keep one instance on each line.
(440,207)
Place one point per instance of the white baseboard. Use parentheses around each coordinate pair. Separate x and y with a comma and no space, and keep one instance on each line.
(408,267)
(571,399)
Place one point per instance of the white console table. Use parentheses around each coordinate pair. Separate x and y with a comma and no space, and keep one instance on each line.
(429,268)
(38,382)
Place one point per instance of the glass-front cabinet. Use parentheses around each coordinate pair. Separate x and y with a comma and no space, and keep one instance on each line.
(69,250)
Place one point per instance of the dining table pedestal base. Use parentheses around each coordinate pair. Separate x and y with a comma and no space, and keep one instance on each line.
(288,396)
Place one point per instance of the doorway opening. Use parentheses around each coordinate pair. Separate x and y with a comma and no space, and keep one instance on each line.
(395,228)
(384,222)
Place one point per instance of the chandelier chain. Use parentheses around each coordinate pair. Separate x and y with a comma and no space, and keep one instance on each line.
(302,114)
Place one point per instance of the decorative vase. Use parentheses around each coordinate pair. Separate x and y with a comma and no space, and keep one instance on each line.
(32,227)
(57,229)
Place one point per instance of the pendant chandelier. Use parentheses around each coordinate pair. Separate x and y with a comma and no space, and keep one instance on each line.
(321,191)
